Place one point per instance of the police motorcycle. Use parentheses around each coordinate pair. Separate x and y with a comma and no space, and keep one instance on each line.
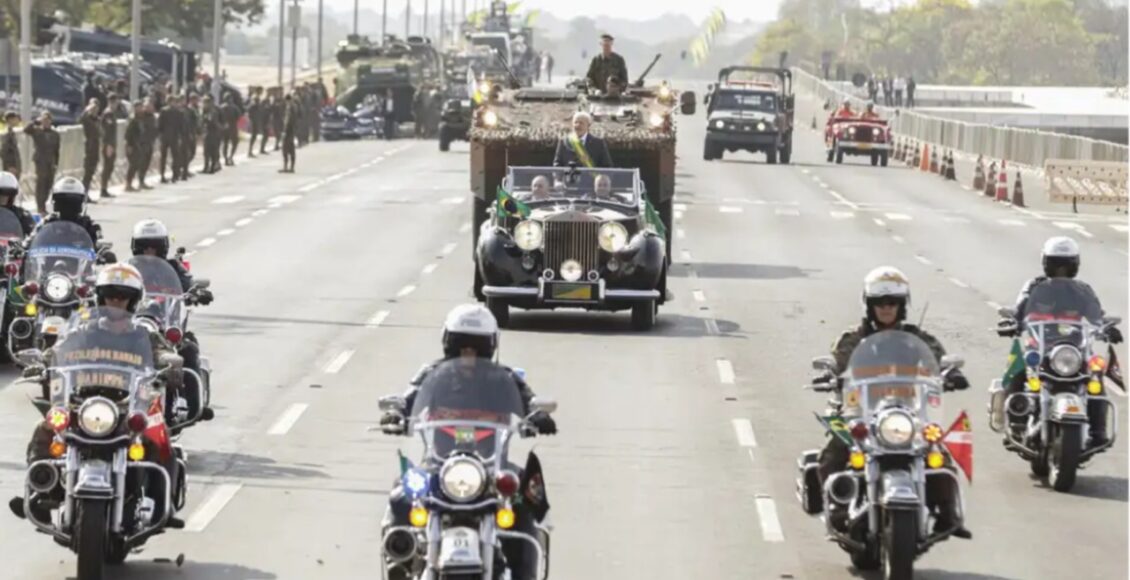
(111,478)
(11,255)
(1047,424)
(58,278)
(165,310)
(885,415)
(465,512)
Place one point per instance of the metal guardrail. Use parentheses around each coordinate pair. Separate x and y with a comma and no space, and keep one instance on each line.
(1023,146)
(1092,182)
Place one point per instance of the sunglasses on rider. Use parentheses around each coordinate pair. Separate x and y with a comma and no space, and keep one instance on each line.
(886,301)
(117,294)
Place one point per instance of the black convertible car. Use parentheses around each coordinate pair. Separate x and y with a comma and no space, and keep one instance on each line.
(563,237)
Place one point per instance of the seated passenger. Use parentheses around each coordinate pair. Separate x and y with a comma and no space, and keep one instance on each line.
(844,111)
(539,189)
(602,186)
(869,113)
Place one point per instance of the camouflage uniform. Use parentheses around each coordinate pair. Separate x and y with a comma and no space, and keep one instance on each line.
(601,68)
(46,159)
(134,141)
(149,136)
(108,123)
(92,137)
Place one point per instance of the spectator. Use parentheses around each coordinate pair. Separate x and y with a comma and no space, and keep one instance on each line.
(92,138)
(911,86)
(900,86)
(46,158)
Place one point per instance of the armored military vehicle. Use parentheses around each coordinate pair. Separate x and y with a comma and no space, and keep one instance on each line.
(396,68)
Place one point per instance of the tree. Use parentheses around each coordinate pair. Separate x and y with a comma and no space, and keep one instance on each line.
(188,18)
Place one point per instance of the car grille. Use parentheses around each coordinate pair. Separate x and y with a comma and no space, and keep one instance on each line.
(866,135)
(569,240)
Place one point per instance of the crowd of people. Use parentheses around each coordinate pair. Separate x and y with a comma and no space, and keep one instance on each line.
(890,90)
(173,123)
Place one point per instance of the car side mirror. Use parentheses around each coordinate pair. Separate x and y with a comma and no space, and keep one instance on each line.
(952,361)
(1006,312)
(392,403)
(543,404)
(30,357)
(824,363)
(687,102)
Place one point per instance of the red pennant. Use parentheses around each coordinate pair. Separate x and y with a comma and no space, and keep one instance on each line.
(958,440)
(157,431)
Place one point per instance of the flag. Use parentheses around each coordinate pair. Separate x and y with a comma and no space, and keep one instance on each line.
(1015,364)
(157,431)
(511,206)
(653,219)
(836,426)
(958,440)
(405,463)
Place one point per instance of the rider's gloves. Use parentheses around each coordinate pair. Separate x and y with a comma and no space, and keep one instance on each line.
(1113,335)
(545,424)
(1007,327)
(956,381)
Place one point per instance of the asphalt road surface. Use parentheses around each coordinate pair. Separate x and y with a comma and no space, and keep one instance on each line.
(676,452)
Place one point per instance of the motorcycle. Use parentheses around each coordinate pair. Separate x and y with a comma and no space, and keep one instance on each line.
(878,508)
(11,255)
(465,512)
(58,278)
(111,475)
(166,311)
(1047,424)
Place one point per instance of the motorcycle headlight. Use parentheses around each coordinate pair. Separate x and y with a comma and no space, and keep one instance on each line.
(896,429)
(613,237)
(1066,360)
(58,288)
(529,235)
(484,88)
(490,118)
(571,270)
(664,92)
(761,126)
(719,124)
(462,479)
(97,417)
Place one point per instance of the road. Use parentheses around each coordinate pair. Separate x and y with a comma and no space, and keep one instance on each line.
(677,447)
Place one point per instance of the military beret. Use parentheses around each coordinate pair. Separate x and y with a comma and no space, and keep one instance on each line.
(606,36)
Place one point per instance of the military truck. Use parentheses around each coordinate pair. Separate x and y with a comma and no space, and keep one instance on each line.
(397,67)
(753,112)
(474,70)
(521,127)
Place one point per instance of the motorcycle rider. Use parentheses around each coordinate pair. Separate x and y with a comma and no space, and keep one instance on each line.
(9,191)
(469,332)
(68,200)
(886,297)
(118,286)
(1060,258)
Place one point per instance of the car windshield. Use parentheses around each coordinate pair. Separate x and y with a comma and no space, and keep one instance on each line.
(536,184)
(891,368)
(1059,310)
(738,101)
(466,405)
(104,350)
(59,247)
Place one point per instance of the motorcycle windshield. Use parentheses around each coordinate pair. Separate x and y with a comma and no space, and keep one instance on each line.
(59,247)
(164,296)
(10,226)
(892,368)
(1059,309)
(103,351)
(466,405)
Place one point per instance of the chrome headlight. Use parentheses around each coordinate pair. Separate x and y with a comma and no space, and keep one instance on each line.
(875,131)
(529,235)
(761,126)
(571,270)
(462,479)
(490,118)
(851,130)
(664,92)
(1066,360)
(613,237)
(58,287)
(484,88)
(656,120)
(719,124)
(896,429)
(97,417)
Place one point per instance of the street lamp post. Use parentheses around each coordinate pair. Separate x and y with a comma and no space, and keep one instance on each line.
(294,46)
(407,18)
(355,7)
(442,23)
(425,27)
(217,36)
(282,26)
(135,51)
(318,50)
(25,60)
(384,21)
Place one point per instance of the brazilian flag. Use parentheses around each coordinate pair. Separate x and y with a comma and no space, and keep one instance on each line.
(405,463)
(508,205)
(836,426)
(653,219)
(1015,364)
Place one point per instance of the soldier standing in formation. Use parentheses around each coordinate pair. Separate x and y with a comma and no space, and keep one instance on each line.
(315,112)
(170,123)
(278,111)
(191,135)
(108,125)
(92,136)
(46,158)
(289,133)
(213,127)
(134,142)
(230,114)
(255,119)
(301,119)
(149,136)
(10,148)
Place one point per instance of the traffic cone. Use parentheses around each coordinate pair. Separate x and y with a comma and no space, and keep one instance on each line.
(989,179)
(912,152)
(1018,192)
(924,164)
(979,175)
(951,170)
(934,161)
(1002,184)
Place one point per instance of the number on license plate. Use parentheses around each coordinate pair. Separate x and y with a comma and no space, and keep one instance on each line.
(459,547)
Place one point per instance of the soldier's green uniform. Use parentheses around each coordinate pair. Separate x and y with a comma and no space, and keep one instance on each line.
(92,138)
(191,136)
(149,134)
(108,125)
(255,121)
(170,124)
(135,130)
(603,67)
(46,159)
(10,148)
(290,128)
(213,132)
(278,111)
(230,115)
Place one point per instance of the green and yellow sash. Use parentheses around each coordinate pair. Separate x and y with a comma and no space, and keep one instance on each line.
(579,150)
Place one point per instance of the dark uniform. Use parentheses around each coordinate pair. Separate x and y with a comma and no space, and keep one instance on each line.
(301,117)
(289,133)
(170,123)
(134,136)
(213,132)
(190,138)
(149,134)
(230,115)
(601,68)
(108,125)
(46,159)
(82,220)
(255,120)
(278,112)
(10,152)
(92,138)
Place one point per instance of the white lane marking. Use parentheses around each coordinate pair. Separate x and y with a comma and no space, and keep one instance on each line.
(959,283)
(260,212)
(923,259)
(228,199)
(681,233)
(686,255)
(466,227)
(243,222)
(429,269)
(205,242)
(845,201)
(786,211)
(169,199)
(842,215)
(377,319)
(311,186)
(898,239)
(406,291)
(1123,228)
(880,222)
(288,418)
(1077,227)
(824,185)
(212,507)
(226,232)
(1013,223)
(729,209)
(343,200)
(448,248)
(1085,233)
(744,430)
(453,201)
(712,327)
(338,362)
(284,199)
(725,371)
(699,296)
(770,523)
(679,207)
(804,171)
(993,305)
(956,219)
(897,217)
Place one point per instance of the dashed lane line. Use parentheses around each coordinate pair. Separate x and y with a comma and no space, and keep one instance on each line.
(959,283)
(924,260)
(212,507)
(225,232)
(770,523)
(376,319)
(725,371)
(785,211)
(993,305)
(406,291)
(205,242)
(898,239)
(681,233)
(1121,228)
(260,212)
(685,255)
(879,222)
(284,199)
(466,227)
(428,269)
(843,200)
(729,209)
(448,248)
(289,417)
(228,199)
(897,217)
(699,296)
(743,428)
(243,222)
(842,215)
(1011,222)
(339,362)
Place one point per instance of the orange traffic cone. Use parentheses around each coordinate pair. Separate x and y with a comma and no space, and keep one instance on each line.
(1018,191)
(924,165)
(1002,184)
(979,175)
(989,179)
(934,161)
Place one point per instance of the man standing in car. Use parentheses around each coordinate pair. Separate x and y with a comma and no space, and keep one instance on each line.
(606,64)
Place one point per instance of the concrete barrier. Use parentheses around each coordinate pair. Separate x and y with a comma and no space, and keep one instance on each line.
(1088,182)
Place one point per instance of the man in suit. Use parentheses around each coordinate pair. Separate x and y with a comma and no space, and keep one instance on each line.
(594,152)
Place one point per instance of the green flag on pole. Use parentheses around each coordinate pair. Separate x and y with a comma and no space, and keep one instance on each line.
(1015,363)
(836,426)
(653,219)
(509,205)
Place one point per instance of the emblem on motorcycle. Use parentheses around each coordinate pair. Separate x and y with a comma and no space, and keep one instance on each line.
(851,398)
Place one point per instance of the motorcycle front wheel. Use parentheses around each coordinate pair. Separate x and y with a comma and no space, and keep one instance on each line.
(1063,458)
(900,539)
(90,543)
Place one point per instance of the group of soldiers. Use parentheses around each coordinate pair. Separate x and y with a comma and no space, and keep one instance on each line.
(293,119)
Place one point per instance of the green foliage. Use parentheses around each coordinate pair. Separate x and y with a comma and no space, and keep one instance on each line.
(188,18)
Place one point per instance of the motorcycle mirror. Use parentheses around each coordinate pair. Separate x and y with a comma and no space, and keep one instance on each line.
(1111,320)
(103,245)
(545,405)
(30,357)
(952,361)
(824,363)
(391,403)
(1007,312)
(42,405)
(203,283)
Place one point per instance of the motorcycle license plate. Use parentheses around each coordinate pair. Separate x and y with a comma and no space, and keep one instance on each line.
(459,548)
(565,291)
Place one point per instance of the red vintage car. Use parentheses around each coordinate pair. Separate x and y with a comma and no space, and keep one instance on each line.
(857,136)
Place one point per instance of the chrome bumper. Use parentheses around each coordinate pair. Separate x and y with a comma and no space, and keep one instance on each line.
(603,294)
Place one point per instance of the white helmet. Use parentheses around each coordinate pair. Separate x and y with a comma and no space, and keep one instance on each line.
(68,196)
(150,233)
(120,279)
(1060,254)
(68,185)
(470,326)
(884,283)
(9,181)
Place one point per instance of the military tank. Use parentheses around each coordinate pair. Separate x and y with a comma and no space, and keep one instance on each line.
(398,67)
(522,126)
